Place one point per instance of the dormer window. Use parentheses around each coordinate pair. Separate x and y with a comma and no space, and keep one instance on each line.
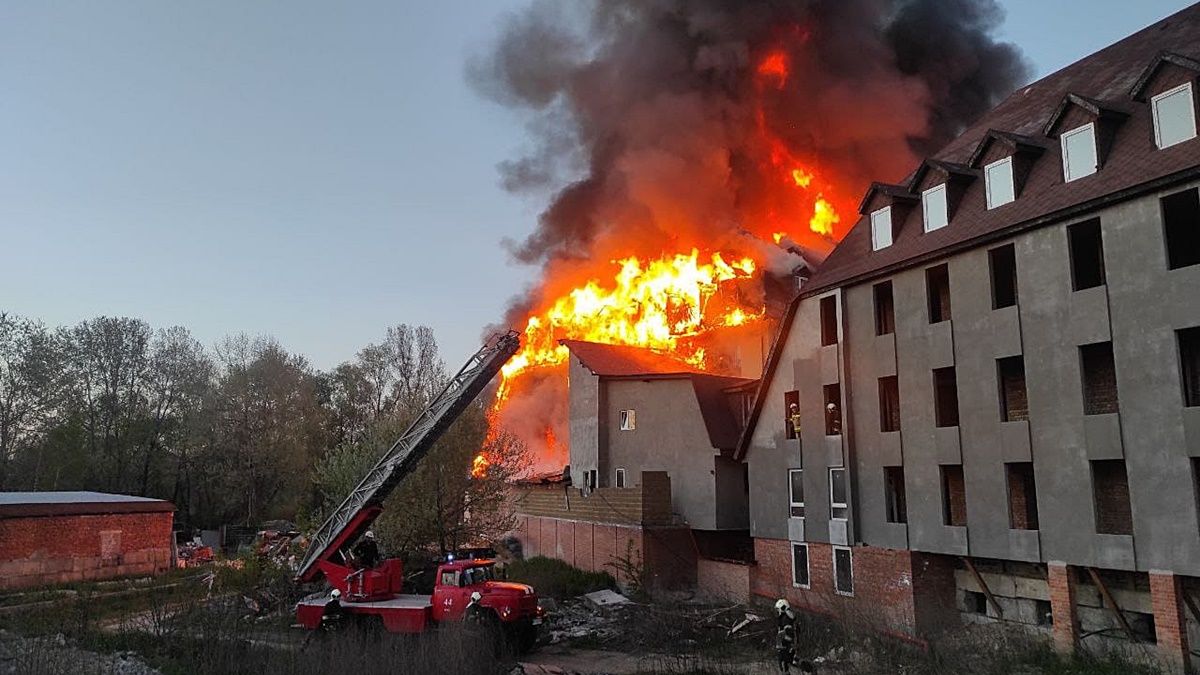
(999,179)
(1174,116)
(881,228)
(934,209)
(1079,152)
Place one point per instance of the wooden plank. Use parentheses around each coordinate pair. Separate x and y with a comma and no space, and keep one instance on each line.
(987,593)
(1191,604)
(1112,604)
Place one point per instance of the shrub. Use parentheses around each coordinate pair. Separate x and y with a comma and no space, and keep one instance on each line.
(556,579)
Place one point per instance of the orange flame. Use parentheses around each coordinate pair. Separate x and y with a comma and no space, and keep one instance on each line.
(667,303)
(479,466)
(648,304)
(775,66)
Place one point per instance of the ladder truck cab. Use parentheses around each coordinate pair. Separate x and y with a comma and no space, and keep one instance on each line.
(375,593)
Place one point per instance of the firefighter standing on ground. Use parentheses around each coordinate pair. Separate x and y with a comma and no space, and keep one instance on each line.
(785,636)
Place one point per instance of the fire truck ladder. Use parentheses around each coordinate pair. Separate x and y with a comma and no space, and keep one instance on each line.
(408,450)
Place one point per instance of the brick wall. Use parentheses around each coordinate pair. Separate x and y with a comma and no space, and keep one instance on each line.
(720,580)
(954,491)
(1170,623)
(1111,485)
(1099,379)
(667,553)
(1062,582)
(895,591)
(63,549)
(647,504)
(1022,496)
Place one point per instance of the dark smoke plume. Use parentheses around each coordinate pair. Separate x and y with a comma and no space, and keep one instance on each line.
(643,112)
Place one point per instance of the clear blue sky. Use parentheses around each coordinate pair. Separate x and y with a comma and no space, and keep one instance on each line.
(314,171)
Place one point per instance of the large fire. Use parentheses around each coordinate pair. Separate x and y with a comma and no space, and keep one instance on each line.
(648,304)
(663,302)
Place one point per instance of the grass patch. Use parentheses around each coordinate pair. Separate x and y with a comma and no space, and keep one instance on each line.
(556,579)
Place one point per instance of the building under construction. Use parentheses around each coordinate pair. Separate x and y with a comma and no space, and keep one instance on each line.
(984,406)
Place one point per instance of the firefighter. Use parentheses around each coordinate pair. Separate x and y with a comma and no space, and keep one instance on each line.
(366,551)
(333,612)
(331,618)
(794,417)
(784,614)
(475,614)
(833,419)
(785,647)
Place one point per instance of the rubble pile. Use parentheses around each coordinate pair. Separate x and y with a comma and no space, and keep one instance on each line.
(36,656)
(578,620)
(607,620)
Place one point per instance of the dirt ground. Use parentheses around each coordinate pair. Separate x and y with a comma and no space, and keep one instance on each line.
(563,660)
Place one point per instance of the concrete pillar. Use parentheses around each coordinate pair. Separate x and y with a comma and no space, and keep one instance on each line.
(1170,623)
(1061,579)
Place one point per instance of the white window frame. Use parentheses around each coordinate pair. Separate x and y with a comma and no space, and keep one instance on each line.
(937,191)
(619,478)
(794,504)
(1089,128)
(838,505)
(987,172)
(876,240)
(1187,86)
(807,564)
(628,420)
(850,552)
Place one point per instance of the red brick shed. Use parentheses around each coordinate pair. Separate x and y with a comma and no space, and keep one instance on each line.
(60,537)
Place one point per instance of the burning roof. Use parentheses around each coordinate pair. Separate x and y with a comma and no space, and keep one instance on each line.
(696,152)
(620,361)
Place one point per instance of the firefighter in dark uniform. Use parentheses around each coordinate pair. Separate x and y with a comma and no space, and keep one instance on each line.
(366,551)
(785,636)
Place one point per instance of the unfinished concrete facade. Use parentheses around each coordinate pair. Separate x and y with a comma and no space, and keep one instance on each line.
(1010,343)
(633,411)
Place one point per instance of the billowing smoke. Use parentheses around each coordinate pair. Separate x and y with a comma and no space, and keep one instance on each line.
(643,112)
(659,125)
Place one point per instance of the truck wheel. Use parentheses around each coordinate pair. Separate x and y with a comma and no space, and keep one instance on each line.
(526,637)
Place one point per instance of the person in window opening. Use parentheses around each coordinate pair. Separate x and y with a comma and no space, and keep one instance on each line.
(833,419)
(794,417)
(366,551)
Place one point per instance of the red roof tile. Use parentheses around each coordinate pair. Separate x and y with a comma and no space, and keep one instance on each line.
(620,361)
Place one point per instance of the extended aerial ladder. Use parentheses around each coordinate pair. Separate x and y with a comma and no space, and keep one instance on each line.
(363,505)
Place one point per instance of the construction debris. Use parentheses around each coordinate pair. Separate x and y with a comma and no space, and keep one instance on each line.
(605,599)
(57,654)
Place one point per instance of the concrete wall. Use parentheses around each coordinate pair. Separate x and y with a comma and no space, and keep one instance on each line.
(63,549)
(670,436)
(1139,309)
(804,366)
(586,430)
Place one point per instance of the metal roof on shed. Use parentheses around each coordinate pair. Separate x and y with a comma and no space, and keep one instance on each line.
(31,504)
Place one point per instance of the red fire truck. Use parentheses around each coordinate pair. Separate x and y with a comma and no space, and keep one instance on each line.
(375,594)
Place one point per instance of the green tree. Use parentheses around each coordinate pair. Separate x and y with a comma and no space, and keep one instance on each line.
(30,381)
